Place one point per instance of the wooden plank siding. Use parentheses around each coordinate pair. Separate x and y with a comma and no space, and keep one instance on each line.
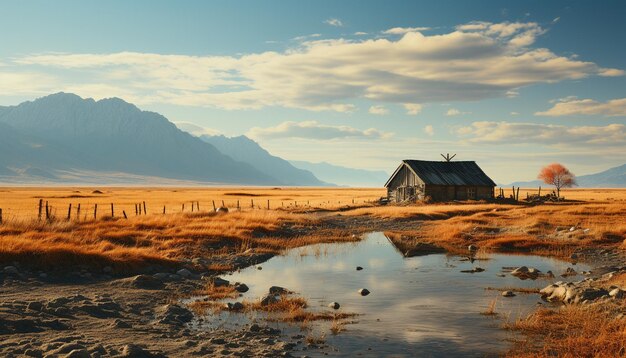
(407,186)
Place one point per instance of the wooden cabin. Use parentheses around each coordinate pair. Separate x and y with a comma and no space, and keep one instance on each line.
(440,181)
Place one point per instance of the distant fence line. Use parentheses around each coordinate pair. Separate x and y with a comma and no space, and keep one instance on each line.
(47,212)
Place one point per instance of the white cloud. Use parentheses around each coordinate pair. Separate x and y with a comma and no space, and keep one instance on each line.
(515,113)
(195,129)
(429,130)
(572,106)
(314,130)
(556,19)
(360,33)
(378,110)
(334,22)
(523,133)
(404,30)
(455,112)
(475,61)
(413,108)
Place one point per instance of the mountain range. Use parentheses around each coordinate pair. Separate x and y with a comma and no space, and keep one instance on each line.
(611,178)
(65,139)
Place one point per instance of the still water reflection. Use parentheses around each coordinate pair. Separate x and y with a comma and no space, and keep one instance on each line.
(418,306)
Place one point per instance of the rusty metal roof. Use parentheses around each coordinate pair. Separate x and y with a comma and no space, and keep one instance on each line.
(449,173)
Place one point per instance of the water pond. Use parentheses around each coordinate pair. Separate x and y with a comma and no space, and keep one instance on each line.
(418,306)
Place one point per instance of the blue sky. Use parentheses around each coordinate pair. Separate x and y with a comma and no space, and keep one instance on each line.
(512,85)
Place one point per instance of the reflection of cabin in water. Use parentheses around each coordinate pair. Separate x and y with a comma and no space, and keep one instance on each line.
(440,181)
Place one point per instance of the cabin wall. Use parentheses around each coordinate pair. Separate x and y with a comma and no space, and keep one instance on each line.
(404,185)
(458,192)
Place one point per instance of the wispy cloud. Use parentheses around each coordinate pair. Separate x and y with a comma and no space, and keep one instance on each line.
(573,106)
(524,133)
(378,110)
(455,112)
(475,61)
(314,130)
(334,22)
(404,30)
(195,129)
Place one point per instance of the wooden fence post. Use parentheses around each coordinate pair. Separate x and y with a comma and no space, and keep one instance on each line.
(0,216)
(238,207)
(252,203)
(197,206)
(223,204)
(214,208)
(135,209)
(95,212)
(40,208)
(517,196)
(539,191)
(192,206)
(268,204)
(124,212)
(69,212)
(78,212)
(145,212)
(183,209)
(112,211)
(47,211)
(163,209)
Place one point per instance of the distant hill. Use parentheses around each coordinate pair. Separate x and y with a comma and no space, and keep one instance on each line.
(611,178)
(246,150)
(62,133)
(344,176)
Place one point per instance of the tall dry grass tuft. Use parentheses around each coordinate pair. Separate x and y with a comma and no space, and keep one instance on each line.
(595,330)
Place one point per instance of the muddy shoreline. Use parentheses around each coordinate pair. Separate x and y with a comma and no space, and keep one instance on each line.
(83,313)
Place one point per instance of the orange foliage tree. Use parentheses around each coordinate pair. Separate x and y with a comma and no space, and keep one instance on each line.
(557,175)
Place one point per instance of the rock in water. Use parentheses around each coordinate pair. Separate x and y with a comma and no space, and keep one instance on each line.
(364,292)
(241,287)
(472,248)
(508,294)
(277,290)
(359,268)
(268,300)
(334,305)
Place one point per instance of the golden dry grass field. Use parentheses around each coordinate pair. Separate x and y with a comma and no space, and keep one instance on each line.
(22,203)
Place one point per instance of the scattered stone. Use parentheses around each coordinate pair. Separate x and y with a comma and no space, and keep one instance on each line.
(219,282)
(222,209)
(277,290)
(334,305)
(135,351)
(11,270)
(617,293)
(525,272)
(174,314)
(78,353)
(574,256)
(118,323)
(472,248)
(140,281)
(569,272)
(34,306)
(508,294)
(184,273)
(364,292)
(473,270)
(268,300)
(237,306)
(241,287)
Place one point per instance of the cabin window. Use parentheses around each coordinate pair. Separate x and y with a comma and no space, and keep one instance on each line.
(471,193)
